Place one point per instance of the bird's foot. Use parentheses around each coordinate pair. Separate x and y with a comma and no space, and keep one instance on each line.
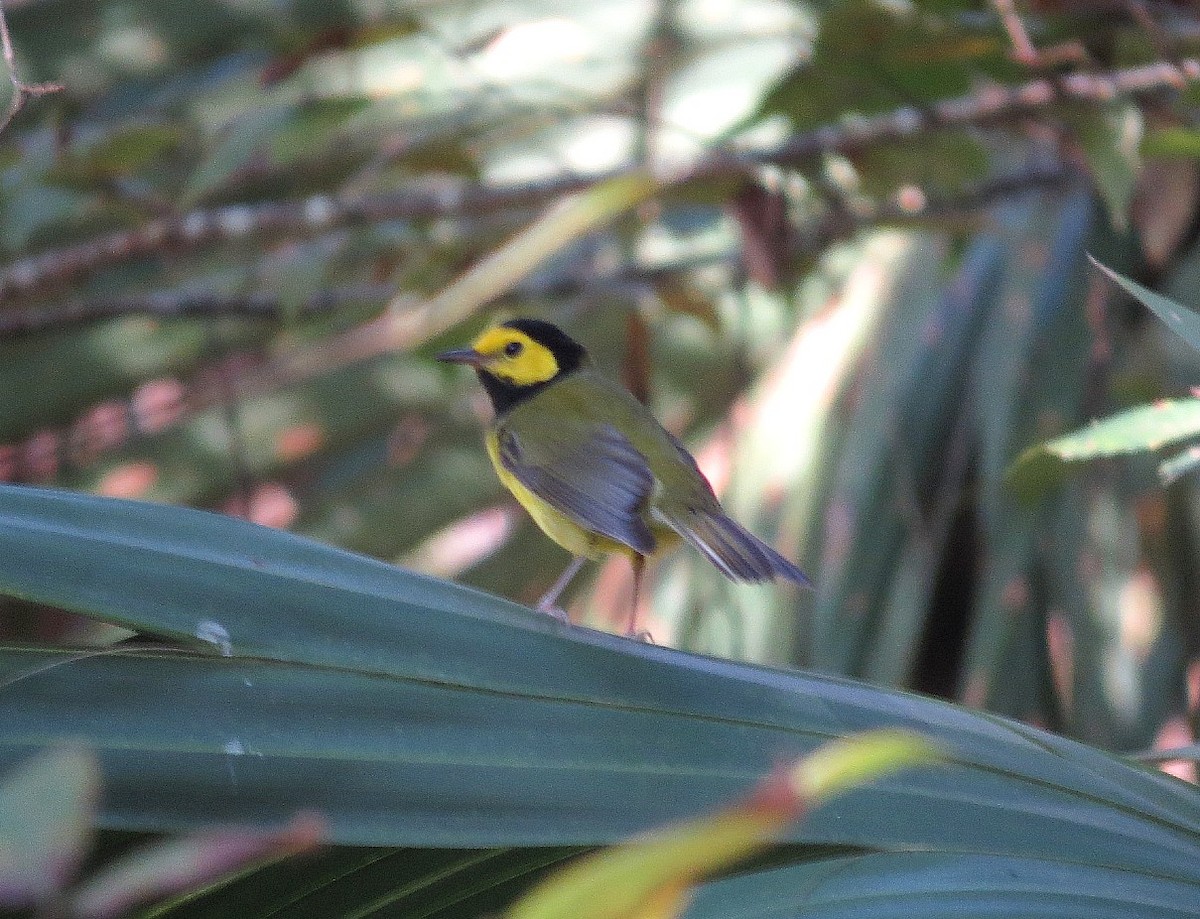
(553,610)
(641,635)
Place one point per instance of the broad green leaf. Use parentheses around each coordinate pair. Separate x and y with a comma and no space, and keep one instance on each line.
(344,881)
(411,711)
(924,885)
(1183,321)
(47,805)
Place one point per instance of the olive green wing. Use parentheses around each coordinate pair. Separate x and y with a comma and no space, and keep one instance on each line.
(589,472)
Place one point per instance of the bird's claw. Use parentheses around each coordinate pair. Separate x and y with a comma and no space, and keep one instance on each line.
(555,612)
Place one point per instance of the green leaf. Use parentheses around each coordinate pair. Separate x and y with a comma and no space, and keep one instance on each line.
(122,151)
(46,810)
(1183,321)
(1172,141)
(1179,465)
(870,56)
(923,885)
(343,881)
(1137,430)
(239,142)
(1111,140)
(313,127)
(410,711)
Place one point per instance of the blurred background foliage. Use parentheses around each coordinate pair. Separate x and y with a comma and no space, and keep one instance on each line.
(859,294)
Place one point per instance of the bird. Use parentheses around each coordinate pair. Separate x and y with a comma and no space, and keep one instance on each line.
(594,468)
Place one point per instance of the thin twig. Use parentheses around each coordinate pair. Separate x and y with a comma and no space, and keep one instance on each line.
(22,92)
(1029,55)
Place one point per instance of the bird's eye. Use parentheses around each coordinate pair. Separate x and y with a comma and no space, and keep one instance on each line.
(513,348)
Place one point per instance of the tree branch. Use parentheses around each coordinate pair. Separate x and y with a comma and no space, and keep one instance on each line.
(187,305)
(322,212)
(631,279)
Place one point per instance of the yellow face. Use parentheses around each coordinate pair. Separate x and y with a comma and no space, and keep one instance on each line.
(514,357)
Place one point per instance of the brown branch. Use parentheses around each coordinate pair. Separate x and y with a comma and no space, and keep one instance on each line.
(323,212)
(1029,55)
(631,280)
(22,92)
(987,106)
(16,323)
(235,222)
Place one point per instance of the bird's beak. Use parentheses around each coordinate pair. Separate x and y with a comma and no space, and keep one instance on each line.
(462,356)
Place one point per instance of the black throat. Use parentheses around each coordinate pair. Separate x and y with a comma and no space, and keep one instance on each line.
(505,396)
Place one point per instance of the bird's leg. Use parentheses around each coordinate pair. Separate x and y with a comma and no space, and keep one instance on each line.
(549,602)
(639,566)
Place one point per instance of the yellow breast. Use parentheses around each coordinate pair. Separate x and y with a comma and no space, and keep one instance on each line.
(562,529)
(558,526)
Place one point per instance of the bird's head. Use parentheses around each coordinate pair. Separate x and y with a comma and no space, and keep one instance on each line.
(519,357)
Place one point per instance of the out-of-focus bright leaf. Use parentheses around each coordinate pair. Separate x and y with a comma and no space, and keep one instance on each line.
(870,56)
(653,876)
(1147,427)
(1173,469)
(47,804)
(185,863)
(299,45)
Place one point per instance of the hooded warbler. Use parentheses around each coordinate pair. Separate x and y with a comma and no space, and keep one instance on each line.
(593,467)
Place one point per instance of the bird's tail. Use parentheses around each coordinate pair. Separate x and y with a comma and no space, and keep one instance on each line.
(737,553)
